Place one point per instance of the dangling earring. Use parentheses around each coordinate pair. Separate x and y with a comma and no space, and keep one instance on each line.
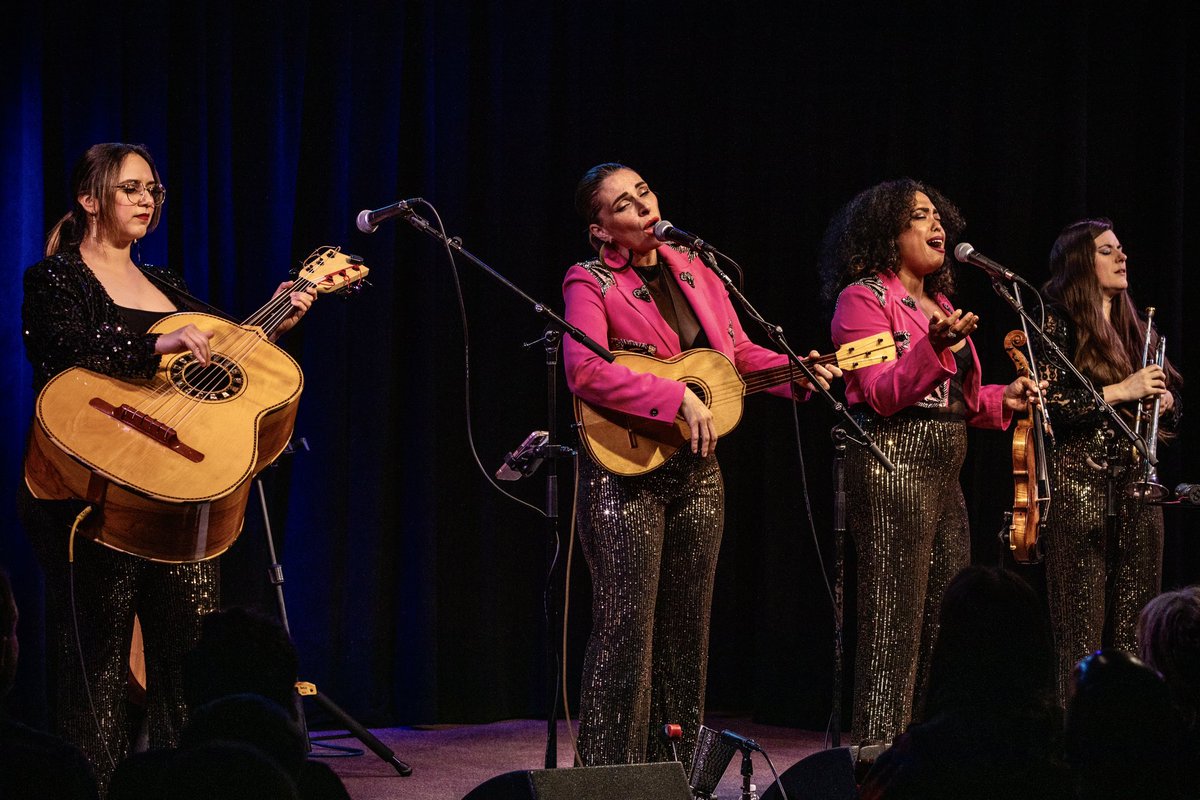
(137,252)
(628,259)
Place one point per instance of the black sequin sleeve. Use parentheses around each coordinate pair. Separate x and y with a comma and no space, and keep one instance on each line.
(68,320)
(1070,405)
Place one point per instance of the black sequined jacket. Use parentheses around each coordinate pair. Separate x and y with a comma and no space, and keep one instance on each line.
(69,320)
(1072,412)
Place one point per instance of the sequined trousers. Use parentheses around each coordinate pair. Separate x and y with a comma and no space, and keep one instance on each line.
(109,588)
(911,536)
(651,543)
(1097,579)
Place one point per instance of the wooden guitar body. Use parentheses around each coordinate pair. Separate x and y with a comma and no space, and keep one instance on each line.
(171,474)
(629,445)
(166,463)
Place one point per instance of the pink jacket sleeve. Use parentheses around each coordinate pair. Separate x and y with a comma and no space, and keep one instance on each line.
(595,380)
(892,385)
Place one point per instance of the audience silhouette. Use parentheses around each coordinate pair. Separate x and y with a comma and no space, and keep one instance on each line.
(33,764)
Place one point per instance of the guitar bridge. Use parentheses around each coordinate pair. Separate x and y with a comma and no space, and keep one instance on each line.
(148,426)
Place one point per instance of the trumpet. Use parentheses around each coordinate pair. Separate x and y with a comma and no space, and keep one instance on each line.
(1147,488)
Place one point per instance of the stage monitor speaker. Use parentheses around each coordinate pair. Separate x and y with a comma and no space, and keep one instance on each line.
(664,781)
(825,775)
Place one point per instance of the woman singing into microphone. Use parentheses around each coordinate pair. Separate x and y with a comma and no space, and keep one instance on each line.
(885,259)
(650,540)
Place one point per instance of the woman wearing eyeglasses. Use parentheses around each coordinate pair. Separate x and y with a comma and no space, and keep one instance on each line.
(88,304)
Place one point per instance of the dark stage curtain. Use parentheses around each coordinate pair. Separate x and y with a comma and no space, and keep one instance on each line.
(414,588)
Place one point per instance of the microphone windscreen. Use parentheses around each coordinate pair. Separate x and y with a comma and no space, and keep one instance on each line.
(964,252)
(364,221)
(661,229)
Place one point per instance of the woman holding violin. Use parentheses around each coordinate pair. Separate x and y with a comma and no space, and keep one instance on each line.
(1100,571)
(884,257)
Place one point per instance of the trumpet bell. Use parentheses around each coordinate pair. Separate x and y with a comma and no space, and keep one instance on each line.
(1149,492)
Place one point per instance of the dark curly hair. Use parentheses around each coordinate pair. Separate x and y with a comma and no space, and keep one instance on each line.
(861,238)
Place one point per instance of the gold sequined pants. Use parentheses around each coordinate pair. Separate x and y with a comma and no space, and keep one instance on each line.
(1097,581)
(651,543)
(110,587)
(911,535)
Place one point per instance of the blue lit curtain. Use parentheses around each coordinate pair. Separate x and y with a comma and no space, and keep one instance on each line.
(414,589)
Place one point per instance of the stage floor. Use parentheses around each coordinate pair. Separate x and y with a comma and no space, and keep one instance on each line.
(448,761)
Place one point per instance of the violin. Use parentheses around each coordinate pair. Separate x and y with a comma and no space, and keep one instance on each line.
(1031,482)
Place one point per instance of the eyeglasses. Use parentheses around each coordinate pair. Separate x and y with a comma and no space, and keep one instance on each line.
(135,191)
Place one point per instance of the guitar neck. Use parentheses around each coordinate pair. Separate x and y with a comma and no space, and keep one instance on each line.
(278,308)
(763,379)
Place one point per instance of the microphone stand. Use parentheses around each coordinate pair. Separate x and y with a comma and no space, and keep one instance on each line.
(552,452)
(860,437)
(306,688)
(1113,417)
(551,339)
(839,581)
(775,333)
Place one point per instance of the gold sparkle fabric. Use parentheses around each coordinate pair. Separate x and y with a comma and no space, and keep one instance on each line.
(1098,576)
(110,587)
(911,536)
(651,543)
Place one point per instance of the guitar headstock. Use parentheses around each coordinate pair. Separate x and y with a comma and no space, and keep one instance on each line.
(864,352)
(330,270)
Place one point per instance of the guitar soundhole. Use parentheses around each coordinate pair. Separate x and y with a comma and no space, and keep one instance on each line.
(699,391)
(221,380)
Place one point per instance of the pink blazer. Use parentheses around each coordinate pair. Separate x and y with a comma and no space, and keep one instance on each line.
(918,376)
(609,303)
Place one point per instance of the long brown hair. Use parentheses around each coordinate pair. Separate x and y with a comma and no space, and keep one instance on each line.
(1107,350)
(94,175)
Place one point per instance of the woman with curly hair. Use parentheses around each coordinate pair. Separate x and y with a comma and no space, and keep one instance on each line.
(1100,570)
(884,258)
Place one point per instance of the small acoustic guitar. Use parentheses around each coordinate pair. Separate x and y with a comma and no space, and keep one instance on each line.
(168,461)
(628,445)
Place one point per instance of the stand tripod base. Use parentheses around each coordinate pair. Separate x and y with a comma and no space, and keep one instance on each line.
(377,747)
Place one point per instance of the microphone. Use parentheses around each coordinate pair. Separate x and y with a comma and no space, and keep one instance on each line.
(368,221)
(1188,493)
(525,459)
(740,741)
(666,232)
(967,254)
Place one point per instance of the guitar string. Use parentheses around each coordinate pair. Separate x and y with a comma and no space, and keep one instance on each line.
(227,343)
(237,345)
(766,378)
(163,388)
(269,317)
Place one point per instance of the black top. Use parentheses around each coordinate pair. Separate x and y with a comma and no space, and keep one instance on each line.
(957,404)
(673,306)
(140,320)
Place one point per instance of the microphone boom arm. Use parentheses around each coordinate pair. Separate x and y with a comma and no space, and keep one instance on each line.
(775,333)
(422,224)
(1097,398)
